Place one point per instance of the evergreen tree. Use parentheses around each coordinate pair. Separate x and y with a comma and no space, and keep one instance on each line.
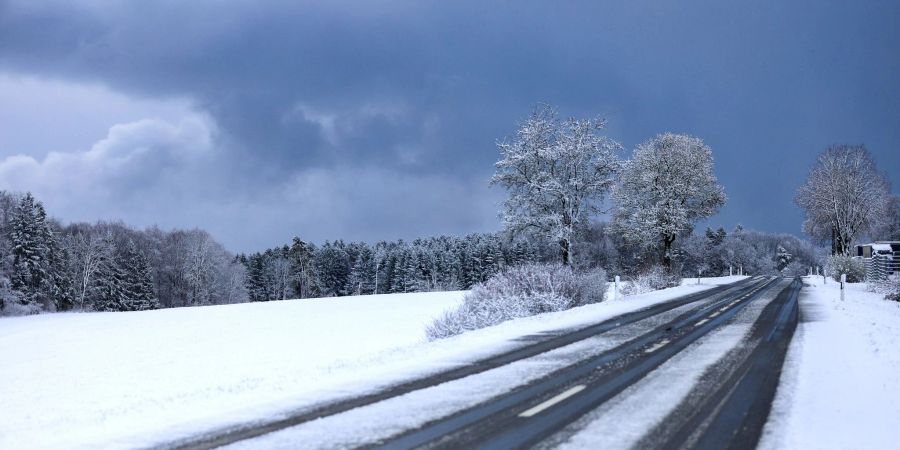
(56,285)
(362,275)
(713,255)
(107,294)
(32,243)
(256,278)
(136,281)
(333,269)
(782,258)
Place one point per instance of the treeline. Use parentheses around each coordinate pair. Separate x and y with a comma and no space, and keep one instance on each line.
(45,266)
(108,266)
(712,253)
(303,270)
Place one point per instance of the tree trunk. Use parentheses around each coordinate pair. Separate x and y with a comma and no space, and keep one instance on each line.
(667,252)
(840,242)
(564,251)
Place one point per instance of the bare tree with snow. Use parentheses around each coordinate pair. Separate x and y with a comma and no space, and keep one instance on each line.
(664,189)
(89,250)
(557,174)
(845,195)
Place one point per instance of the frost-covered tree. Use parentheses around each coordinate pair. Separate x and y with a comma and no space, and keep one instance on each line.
(782,258)
(88,250)
(258,289)
(280,268)
(713,254)
(844,195)
(231,281)
(301,254)
(35,255)
(889,227)
(135,280)
(557,174)
(362,274)
(106,293)
(332,266)
(666,187)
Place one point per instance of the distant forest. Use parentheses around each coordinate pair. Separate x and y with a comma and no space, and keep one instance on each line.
(108,266)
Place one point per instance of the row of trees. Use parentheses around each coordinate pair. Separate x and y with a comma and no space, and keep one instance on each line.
(45,266)
(111,267)
(303,270)
(711,253)
(559,172)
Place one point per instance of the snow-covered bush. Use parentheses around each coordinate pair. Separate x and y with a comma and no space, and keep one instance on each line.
(890,287)
(853,268)
(11,303)
(592,286)
(894,294)
(794,269)
(521,291)
(654,279)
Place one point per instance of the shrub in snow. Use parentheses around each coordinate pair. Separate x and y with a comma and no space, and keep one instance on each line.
(890,288)
(520,291)
(11,301)
(794,269)
(654,279)
(853,268)
(592,286)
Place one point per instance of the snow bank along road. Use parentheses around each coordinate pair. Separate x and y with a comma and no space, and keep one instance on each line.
(553,390)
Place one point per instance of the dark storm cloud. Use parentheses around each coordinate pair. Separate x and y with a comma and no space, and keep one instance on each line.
(427,87)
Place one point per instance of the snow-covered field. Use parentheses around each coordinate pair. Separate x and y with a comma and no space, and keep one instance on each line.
(114,379)
(841,384)
(125,380)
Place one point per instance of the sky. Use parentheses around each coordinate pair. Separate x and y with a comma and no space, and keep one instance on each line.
(260,121)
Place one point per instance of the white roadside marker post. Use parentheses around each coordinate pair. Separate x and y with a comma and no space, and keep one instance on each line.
(730,271)
(843,280)
(616,288)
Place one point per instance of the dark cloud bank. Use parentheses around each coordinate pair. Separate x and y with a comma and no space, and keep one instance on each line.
(363,120)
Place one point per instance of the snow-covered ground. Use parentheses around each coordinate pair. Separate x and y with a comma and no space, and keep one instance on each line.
(841,384)
(125,380)
(114,379)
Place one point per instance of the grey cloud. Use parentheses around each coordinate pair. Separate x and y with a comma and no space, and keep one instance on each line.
(423,89)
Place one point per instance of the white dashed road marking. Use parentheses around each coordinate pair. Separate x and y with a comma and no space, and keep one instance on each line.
(658,346)
(566,394)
